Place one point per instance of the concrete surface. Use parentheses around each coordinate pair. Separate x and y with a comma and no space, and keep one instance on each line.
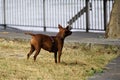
(112,73)
(96,38)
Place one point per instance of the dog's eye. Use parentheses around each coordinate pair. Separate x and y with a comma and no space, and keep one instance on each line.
(66,32)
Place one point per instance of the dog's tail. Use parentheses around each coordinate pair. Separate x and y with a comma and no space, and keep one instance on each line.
(28,33)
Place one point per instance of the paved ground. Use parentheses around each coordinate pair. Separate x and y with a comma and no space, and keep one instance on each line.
(112,73)
(113,69)
(96,38)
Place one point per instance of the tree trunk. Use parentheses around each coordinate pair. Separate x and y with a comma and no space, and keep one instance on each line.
(113,28)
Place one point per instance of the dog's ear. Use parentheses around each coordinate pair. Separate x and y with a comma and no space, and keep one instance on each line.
(69,27)
(59,26)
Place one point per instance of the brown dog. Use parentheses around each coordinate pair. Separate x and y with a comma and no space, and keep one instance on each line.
(50,43)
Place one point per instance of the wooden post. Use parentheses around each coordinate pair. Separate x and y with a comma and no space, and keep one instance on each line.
(87,16)
(105,13)
(4,12)
(44,22)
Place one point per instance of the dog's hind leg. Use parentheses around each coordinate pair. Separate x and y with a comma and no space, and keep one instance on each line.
(36,54)
(31,51)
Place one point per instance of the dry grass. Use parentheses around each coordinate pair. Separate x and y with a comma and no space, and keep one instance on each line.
(79,61)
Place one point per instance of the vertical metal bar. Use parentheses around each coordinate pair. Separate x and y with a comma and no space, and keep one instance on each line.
(25,21)
(87,16)
(48,10)
(33,6)
(78,8)
(75,11)
(54,5)
(56,13)
(22,18)
(96,19)
(4,10)
(52,13)
(16,6)
(98,15)
(92,13)
(62,12)
(59,11)
(81,5)
(64,2)
(98,2)
(108,10)
(69,9)
(66,10)
(105,13)
(44,16)
(82,2)
(77,23)
(101,14)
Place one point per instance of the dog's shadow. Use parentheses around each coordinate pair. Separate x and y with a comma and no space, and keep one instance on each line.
(73,63)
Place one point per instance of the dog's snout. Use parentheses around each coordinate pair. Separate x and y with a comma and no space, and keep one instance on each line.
(70,32)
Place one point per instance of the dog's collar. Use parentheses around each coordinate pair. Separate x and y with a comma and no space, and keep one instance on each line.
(51,37)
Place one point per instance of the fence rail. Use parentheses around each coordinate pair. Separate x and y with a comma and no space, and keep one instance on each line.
(50,13)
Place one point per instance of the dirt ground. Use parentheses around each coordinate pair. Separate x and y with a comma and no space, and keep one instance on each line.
(113,71)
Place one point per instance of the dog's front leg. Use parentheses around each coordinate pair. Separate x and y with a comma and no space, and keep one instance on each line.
(55,57)
(60,46)
(59,55)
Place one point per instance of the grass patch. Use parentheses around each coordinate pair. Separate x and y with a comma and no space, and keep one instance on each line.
(78,61)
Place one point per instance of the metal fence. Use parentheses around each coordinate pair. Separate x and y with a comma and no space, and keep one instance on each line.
(82,14)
